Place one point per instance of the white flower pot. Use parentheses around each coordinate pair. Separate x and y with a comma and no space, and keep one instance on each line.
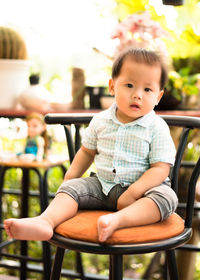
(14,74)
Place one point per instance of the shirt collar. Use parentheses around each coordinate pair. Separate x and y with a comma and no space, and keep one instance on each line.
(144,121)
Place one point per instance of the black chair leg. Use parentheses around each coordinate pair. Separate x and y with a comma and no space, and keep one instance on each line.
(79,266)
(46,260)
(116,267)
(57,265)
(171,263)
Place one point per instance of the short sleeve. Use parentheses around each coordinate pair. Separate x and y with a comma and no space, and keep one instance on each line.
(89,137)
(162,147)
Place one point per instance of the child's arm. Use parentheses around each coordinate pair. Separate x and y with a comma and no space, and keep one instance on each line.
(82,161)
(40,152)
(153,177)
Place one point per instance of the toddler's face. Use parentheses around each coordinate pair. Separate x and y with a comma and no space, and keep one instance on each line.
(136,90)
(35,127)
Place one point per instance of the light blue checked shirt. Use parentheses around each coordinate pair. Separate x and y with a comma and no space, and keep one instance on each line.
(125,151)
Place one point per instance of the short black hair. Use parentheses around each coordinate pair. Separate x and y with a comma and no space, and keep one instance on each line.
(140,55)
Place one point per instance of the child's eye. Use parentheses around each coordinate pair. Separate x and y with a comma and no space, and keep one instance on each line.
(147,89)
(129,85)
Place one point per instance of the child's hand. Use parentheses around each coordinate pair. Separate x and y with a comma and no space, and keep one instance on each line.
(125,200)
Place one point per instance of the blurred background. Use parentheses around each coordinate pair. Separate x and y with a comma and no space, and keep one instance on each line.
(63,34)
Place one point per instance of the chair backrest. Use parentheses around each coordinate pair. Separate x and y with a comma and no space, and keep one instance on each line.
(186,123)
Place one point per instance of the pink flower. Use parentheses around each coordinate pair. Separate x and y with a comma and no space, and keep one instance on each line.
(119,32)
(138,30)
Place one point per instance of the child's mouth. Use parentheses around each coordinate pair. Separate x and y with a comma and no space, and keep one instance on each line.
(135,107)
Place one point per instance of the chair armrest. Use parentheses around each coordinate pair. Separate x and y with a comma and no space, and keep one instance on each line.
(68,118)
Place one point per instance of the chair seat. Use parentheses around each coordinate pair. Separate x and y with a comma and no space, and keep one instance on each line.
(84,227)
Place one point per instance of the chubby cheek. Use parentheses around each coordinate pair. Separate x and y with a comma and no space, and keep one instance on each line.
(121,102)
(121,98)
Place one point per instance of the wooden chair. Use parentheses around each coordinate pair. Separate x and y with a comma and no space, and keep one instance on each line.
(80,232)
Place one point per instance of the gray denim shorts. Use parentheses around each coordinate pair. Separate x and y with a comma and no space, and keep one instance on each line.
(87,192)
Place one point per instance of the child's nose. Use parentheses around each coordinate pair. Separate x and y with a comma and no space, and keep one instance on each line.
(137,94)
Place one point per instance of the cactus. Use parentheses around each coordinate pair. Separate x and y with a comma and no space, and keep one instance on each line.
(12,45)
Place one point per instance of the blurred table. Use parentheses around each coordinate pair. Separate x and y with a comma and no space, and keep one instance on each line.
(43,195)
(26,167)
(11,113)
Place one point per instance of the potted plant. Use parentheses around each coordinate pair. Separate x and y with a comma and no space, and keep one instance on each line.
(14,67)
(181,91)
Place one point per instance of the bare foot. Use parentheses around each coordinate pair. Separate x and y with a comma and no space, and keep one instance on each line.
(29,228)
(107,224)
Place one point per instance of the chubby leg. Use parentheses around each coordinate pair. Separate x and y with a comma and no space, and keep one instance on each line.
(144,211)
(62,207)
(40,228)
(157,204)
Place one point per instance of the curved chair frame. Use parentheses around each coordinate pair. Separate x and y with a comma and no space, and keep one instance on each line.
(117,251)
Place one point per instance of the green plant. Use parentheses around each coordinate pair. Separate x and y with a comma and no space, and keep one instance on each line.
(12,45)
(181,83)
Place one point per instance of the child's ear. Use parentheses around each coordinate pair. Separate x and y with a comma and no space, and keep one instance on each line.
(160,96)
(111,87)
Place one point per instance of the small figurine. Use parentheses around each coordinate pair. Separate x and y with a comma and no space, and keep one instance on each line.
(37,139)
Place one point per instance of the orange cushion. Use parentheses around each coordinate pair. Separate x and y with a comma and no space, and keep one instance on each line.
(84,227)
